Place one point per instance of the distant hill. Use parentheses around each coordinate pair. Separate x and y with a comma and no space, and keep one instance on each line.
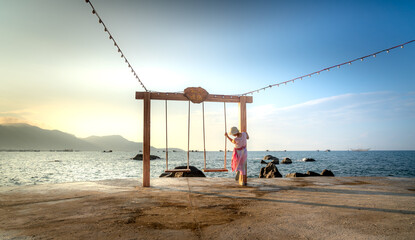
(24,136)
(27,137)
(115,143)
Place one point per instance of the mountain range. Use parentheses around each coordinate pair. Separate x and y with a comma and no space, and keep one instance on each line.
(22,136)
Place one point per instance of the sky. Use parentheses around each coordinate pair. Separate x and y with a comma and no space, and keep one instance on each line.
(59,70)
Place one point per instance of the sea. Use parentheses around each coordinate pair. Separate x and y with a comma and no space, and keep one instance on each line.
(31,168)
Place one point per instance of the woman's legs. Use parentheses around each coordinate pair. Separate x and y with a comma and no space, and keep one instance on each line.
(241,178)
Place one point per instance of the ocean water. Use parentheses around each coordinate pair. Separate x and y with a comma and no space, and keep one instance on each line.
(29,168)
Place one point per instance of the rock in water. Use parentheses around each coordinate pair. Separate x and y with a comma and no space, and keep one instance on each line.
(296,174)
(312,174)
(275,160)
(327,173)
(286,161)
(309,160)
(269,157)
(140,157)
(270,171)
(194,172)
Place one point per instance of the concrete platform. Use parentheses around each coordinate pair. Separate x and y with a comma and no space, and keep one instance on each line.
(212,208)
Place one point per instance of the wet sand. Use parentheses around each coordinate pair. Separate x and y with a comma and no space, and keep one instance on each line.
(212,208)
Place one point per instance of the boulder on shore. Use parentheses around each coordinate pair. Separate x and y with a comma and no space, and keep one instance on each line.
(296,174)
(286,161)
(312,174)
(327,173)
(309,160)
(270,171)
(194,172)
(140,157)
(324,173)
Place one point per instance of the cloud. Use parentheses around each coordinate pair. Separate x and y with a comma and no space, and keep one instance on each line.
(10,120)
(341,122)
(315,102)
(345,107)
(15,117)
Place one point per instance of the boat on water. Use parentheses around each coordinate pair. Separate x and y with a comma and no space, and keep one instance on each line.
(360,149)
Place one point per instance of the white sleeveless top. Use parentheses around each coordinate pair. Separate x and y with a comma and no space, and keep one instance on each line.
(240,141)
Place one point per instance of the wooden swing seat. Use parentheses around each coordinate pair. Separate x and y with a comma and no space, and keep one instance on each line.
(215,170)
(177,170)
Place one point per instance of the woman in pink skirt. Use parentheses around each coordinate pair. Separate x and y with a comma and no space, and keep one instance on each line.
(240,153)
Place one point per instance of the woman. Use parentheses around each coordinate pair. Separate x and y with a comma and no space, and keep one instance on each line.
(240,153)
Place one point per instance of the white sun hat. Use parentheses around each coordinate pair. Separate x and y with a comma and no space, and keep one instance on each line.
(234,131)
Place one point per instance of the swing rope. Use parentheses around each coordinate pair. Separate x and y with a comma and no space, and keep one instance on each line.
(226,140)
(188,137)
(167,148)
(188,144)
(204,140)
(224,169)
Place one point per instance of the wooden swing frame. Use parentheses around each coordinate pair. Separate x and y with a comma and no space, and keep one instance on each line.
(148,96)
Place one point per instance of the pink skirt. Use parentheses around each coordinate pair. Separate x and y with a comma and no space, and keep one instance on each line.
(239,157)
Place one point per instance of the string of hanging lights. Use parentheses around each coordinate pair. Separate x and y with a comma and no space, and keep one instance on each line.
(327,69)
(257,90)
(116,45)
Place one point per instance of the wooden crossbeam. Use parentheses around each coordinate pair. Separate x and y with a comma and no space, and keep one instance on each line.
(182,97)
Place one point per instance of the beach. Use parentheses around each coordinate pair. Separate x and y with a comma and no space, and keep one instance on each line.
(212,208)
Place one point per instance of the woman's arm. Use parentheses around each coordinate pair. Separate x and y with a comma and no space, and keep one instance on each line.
(230,139)
(247,136)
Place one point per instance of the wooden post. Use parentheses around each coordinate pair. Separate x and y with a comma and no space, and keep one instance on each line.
(146,140)
(242,126)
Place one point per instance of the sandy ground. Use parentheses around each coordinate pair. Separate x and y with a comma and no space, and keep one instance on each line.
(212,208)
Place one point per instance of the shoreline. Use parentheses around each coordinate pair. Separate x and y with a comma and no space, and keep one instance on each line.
(139,180)
(212,208)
